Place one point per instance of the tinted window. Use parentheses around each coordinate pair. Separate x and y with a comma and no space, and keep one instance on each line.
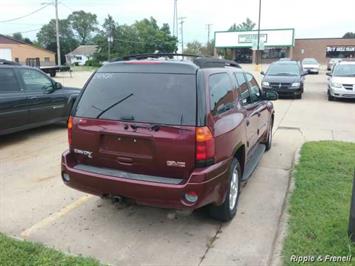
(141,97)
(8,82)
(243,88)
(35,80)
(222,94)
(255,93)
(291,69)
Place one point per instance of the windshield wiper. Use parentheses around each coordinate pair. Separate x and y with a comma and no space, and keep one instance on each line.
(113,105)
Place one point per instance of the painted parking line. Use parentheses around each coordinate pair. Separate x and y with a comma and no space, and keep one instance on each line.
(55,216)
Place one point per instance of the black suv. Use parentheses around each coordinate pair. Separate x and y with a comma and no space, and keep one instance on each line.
(29,98)
(286,77)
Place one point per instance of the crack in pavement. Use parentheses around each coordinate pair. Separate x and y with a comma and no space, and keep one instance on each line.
(211,242)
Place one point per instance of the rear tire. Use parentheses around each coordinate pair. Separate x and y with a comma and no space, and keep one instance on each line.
(227,210)
(268,142)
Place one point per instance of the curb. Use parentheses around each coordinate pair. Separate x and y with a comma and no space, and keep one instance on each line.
(276,256)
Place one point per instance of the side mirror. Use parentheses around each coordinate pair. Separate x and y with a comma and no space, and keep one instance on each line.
(329,74)
(262,73)
(58,85)
(271,95)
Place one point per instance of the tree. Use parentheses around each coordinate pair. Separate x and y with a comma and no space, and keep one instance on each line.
(83,24)
(18,36)
(194,48)
(144,36)
(349,35)
(248,24)
(46,37)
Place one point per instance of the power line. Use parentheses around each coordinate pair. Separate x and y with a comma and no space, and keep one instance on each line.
(27,15)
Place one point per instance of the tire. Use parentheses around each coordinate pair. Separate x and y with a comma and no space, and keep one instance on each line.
(299,96)
(330,97)
(227,210)
(52,73)
(268,142)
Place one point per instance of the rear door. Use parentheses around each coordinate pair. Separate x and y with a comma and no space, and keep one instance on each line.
(13,109)
(36,86)
(223,95)
(138,122)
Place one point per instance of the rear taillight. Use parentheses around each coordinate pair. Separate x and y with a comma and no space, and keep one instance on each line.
(205,148)
(70,129)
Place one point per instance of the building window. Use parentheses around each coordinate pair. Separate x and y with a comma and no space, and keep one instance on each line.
(340,52)
(274,53)
(17,60)
(46,59)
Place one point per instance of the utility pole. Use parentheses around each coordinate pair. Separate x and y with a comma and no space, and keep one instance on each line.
(258,54)
(175,20)
(182,21)
(208,37)
(57,32)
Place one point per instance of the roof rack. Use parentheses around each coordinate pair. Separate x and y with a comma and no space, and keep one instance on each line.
(157,55)
(210,62)
(7,62)
(199,60)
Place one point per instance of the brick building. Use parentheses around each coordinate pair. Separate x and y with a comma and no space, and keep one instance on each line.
(280,43)
(18,51)
(323,49)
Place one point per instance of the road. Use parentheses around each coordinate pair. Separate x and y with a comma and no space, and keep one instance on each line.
(35,205)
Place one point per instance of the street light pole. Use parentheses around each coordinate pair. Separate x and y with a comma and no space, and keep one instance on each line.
(258,42)
(57,32)
(182,21)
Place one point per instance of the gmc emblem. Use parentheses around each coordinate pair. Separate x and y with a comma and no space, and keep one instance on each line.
(175,164)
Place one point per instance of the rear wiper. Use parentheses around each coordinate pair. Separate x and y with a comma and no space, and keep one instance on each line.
(113,105)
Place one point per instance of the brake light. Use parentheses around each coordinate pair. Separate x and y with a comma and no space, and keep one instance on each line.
(70,129)
(205,147)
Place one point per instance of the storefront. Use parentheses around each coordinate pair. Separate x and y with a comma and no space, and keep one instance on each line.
(274,43)
(323,49)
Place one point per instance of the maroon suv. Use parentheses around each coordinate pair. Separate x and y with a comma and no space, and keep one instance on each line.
(169,133)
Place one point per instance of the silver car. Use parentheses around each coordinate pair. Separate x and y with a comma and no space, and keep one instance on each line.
(341,83)
(310,65)
(332,62)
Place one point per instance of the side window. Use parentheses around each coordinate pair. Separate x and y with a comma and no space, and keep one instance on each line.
(8,81)
(222,94)
(35,80)
(255,93)
(243,88)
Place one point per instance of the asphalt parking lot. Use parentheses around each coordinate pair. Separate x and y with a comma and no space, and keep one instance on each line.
(36,205)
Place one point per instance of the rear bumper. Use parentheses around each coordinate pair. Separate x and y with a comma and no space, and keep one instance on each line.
(209,183)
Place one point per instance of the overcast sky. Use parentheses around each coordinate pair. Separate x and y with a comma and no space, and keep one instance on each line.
(310,18)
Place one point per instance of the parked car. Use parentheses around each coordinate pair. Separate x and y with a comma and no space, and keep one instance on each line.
(285,77)
(311,65)
(341,83)
(29,98)
(169,133)
(332,62)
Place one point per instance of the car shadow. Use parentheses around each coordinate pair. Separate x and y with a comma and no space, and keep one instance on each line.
(18,137)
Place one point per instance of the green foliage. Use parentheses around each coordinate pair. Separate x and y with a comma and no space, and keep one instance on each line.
(320,203)
(15,252)
(144,36)
(83,24)
(46,37)
(248,24)
(349,35)
(92,63)
(18,36)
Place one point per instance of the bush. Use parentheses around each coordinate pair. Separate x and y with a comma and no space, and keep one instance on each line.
(92,63)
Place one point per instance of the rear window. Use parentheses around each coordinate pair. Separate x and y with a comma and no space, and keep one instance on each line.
(141,97)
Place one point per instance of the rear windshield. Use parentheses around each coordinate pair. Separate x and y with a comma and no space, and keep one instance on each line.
(140,97)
